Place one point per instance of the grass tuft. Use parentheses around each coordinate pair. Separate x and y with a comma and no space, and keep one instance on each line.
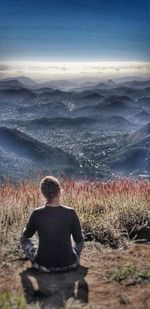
(124,272)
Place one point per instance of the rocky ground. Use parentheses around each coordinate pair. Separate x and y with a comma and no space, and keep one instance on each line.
(107,278)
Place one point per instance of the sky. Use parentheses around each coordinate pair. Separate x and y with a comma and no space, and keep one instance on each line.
(55,32)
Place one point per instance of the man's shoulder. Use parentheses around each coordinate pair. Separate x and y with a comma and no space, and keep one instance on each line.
(68,208)
(65,208)
(38,209)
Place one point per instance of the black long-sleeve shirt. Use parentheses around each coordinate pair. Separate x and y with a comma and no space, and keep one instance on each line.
(54,226)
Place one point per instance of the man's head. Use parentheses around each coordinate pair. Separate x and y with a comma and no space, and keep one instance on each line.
(50,187)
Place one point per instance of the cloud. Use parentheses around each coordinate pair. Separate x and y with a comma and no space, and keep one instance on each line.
(4,67)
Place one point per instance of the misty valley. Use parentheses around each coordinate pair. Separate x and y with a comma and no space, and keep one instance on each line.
(81,129)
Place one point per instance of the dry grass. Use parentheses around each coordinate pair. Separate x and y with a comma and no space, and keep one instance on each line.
(107,211)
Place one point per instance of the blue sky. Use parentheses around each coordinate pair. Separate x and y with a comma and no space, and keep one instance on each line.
(73,30)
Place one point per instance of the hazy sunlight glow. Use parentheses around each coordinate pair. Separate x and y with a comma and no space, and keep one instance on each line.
(41,70)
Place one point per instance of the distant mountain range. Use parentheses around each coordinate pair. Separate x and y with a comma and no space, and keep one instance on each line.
(91,128)
(132,82)
(32,153)
(136,152)
(21,80)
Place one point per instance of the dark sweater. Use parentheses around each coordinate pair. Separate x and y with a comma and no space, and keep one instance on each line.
(54,226)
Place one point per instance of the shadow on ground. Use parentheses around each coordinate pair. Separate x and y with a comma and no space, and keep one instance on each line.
(53,290)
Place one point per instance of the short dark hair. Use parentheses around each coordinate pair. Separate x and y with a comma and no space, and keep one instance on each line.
(50,187)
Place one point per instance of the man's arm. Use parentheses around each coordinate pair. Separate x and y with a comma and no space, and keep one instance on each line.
(77,233)
(30,228)
(28,232)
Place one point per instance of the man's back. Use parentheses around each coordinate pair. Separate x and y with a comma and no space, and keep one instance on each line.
(54,226)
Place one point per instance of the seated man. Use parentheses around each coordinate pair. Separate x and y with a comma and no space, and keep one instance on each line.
(55,224)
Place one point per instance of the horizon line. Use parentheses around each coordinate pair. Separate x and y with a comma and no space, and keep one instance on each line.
(72,69)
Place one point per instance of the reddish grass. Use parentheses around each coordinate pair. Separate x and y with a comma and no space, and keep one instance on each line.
(107,210)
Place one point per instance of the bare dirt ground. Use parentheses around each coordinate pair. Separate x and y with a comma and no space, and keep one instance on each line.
(107,278)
